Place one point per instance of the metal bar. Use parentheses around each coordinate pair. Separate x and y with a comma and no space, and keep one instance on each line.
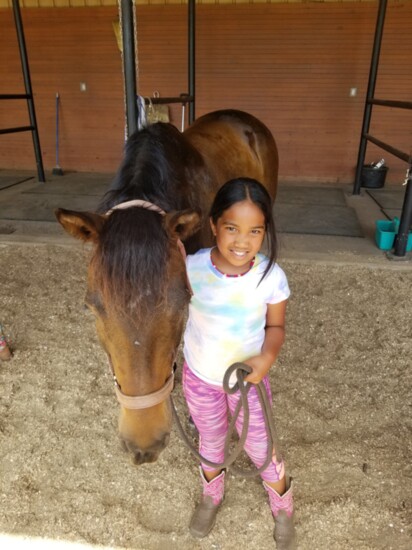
(391,103)
(392,150)
(17,129)
(183,99)
(406,219)
(129,66)
(192,58)
(370,93)
(14,96)
(28,88)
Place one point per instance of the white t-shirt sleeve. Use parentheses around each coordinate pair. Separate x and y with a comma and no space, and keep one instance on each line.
(279,285)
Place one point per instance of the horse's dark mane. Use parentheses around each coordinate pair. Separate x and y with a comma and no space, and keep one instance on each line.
(131,260)
(152,169)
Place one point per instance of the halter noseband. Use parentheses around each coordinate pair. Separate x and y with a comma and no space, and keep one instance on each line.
(136,402)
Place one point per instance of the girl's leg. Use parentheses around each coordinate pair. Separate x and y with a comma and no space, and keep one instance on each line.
(274,480)
(257,441)
(208,408)
(281,506)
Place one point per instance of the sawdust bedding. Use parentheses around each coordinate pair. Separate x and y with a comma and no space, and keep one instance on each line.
(342,394)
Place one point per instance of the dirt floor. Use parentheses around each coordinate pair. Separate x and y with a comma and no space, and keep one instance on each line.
(342,392)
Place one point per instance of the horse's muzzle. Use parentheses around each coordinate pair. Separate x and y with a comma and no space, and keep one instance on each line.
(142,456)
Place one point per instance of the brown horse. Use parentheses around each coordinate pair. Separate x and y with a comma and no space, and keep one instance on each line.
(137,285)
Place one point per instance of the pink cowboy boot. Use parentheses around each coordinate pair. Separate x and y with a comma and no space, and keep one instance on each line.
(204,516)
(282,510)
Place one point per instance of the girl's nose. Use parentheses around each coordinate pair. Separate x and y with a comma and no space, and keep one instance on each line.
(241,239)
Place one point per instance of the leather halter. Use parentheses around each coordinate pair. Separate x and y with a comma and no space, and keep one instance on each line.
(136,402)
(137,202)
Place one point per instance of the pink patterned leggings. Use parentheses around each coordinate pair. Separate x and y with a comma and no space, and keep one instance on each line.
(209,406)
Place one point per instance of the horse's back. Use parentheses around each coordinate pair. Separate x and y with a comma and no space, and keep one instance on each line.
(236,144)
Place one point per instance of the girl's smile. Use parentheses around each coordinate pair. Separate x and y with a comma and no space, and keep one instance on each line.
(239,233)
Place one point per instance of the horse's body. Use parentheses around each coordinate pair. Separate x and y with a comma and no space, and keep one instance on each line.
(137,285)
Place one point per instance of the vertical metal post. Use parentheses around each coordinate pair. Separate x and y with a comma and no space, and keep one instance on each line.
(28,88)
(129,66)
(370,93)
(406,219)
(192,57)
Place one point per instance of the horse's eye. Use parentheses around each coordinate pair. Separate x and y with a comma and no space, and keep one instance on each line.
(94,302)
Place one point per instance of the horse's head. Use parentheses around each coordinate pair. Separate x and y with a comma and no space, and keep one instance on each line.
(138,292)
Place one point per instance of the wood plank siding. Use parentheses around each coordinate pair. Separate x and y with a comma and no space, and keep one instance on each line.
(290,64)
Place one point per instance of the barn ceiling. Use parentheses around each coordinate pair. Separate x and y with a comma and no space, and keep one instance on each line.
(91,3)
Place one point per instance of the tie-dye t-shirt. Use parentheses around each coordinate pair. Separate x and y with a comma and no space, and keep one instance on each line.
(227,315)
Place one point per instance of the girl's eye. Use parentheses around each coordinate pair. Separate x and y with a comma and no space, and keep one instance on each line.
(256,231)
(230,229)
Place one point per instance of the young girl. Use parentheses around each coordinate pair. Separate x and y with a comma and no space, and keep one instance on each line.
(237,314)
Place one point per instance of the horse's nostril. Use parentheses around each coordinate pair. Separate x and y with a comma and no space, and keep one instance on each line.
(145,458)
(132,448)
(138,458)
(150,454)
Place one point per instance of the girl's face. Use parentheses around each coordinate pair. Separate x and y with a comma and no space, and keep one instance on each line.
(239,235)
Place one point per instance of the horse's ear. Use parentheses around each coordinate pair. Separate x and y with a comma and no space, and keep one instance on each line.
(85,226)
(183,224)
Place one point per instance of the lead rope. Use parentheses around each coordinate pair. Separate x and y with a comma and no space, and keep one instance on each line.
(273,443)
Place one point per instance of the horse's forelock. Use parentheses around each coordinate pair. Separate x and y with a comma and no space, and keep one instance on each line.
(130,261)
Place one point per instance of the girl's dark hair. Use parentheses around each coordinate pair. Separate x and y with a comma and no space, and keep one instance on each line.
(241,189)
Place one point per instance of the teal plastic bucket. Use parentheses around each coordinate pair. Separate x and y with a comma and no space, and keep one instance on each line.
(386,232)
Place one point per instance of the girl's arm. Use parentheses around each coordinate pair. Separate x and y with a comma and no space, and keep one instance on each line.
(274,338)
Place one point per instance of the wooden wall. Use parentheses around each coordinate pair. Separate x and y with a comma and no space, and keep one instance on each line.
(292,65)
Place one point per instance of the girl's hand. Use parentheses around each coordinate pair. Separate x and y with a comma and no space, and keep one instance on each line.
(260,365)
(274,337)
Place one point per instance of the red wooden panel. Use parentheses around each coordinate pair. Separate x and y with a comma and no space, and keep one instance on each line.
(292,65)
